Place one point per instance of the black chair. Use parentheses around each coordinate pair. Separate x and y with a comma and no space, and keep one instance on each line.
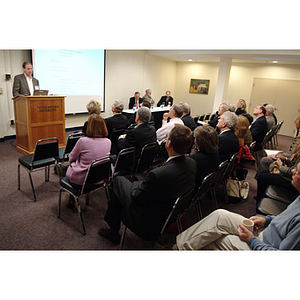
(124,163)
(251,147)
(202,192)
(207,116)
(64,152)
(267,141)
(179,208)
(145,161)
(217,180)
(213,116)
(113,138)
(162,154)
(45,154)
(201,118)
(277,129)
(97,176)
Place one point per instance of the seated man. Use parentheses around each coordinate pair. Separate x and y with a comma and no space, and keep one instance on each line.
(222,230)
(135,101)
(142,134)
(131,121)
(259,126)
(269,116)
(174,114)
(186,118)
(143,206)
(118,120)
(165,100)
(228,141)
(148,96)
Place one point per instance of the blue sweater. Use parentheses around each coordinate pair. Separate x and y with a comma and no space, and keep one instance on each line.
(282,232)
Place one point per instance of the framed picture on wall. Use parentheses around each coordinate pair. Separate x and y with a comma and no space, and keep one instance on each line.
(199,86)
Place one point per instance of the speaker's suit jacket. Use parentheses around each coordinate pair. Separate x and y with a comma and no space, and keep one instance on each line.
(144,205)
(163,100)
(228,144)
(258,130)
(20,85)
(132,102)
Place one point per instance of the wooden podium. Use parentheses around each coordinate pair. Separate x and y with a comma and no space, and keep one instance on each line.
(39,117)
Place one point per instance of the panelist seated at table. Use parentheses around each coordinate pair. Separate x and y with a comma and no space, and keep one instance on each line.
(165,100)
(131,121)
(135,101)
(25,84)
(148,96)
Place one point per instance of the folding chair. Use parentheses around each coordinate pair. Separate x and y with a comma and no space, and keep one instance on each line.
(162,154)
(124,163)
(45,154)
(145,161)
(97,176)
(179,208)
(114,137)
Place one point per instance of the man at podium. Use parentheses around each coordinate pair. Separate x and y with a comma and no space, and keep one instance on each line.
(25,83)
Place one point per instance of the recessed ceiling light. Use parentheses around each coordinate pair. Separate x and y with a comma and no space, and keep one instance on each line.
(190,60)
(275,61)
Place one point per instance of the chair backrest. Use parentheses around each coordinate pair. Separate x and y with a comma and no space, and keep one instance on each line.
(162,150)
(196,119)
(45,149)
(231,166)
(212,116)
(71,142)
(267,137)
(219,173)
(114,137)
(201,118)
(204,187)
(180,206)
(146,158)
(207,116)
(251,147)
(124,162)
(98,171)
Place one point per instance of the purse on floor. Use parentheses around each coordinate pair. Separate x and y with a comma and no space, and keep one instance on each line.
(237,190)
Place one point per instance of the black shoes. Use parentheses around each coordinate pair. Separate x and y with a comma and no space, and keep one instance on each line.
(108,234)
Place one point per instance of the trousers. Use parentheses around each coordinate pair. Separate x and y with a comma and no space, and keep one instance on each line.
(217,231)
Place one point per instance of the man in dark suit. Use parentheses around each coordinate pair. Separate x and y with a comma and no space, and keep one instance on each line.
(228,141)
(186,117)
(25,83)
(259,126)
(142,134)
(135,101)
(165,100)
(143,206)
(118,120)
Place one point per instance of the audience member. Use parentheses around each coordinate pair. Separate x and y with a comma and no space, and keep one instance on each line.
(228,141)
(148,97)
(259,126)
(143,206)
(131,120)
(117,121)
(232,107)
(207,155)
(284,176)
(274,116)
(243,132)
(165,100)
(142,134)
(186,117)
(222,108)
(174,114)
(135,101)
(269,116)
(93,146)
(93,107)
(25,83)
(241,107)
(297,123)
(223,230)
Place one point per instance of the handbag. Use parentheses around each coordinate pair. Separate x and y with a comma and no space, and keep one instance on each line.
(273,168)
(237,190)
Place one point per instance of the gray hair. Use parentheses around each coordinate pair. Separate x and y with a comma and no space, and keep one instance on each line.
(270,108)
(243,103)
(230,119)
(185,107)
(148,90)
(144,113)
(232,107)
(118,106)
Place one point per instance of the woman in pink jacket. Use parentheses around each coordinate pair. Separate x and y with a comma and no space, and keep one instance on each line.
(93,146)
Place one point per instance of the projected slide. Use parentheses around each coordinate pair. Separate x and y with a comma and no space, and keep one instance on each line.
(77,74)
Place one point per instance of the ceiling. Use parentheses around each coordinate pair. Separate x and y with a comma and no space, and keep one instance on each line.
(238,56)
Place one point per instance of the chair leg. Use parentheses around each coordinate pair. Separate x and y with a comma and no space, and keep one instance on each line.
(179,225)
(47,173)
(80,215)
(198,208)
(59,203)
(31,182)
(123,238)
(19,177)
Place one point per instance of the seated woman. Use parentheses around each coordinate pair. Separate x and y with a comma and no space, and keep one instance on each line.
(243,132)
(93,146)
(283,179)
(207,155)
(93,107)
